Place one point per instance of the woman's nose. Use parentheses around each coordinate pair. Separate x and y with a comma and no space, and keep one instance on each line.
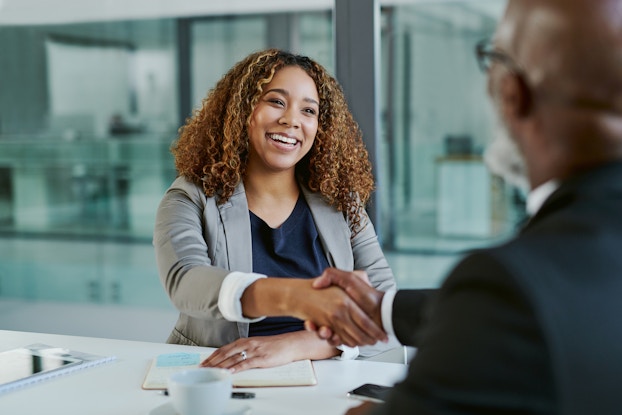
(291,118)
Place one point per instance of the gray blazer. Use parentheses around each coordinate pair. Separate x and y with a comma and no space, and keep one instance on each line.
(198,242)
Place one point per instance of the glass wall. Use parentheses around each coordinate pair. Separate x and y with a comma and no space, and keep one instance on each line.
(438,199)
(84,138)
(216,44)
(88,112)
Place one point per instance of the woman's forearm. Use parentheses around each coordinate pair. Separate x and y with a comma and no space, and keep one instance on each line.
(308,346)
(274,297)
(270,351)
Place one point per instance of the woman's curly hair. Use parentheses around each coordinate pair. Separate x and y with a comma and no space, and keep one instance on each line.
(212,148)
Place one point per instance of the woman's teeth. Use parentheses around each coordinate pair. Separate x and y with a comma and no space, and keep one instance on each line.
(283,139)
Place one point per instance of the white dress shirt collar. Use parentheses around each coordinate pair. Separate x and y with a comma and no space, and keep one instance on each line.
(537,197)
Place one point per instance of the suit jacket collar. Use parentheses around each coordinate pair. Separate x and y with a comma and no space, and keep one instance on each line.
(597,183)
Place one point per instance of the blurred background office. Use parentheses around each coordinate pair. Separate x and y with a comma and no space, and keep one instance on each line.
(92,94)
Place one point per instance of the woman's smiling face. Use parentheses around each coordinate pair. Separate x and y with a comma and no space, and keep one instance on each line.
(284,122)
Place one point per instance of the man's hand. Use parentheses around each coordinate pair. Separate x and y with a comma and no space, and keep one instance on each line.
(333,309)
(356,285)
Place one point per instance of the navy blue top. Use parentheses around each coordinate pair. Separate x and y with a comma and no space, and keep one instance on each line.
(291,250)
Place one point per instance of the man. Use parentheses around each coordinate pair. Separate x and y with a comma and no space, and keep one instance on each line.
(532,326)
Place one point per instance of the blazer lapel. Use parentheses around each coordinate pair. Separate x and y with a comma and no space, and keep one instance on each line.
(604,180)
(237,227)
(555,201)
(333,230)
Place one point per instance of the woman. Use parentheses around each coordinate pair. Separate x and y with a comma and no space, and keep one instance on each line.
(273,177)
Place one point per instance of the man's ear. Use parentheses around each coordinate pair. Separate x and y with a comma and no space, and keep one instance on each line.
(515,95)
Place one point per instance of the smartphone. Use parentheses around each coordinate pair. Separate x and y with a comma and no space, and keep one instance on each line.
(370,392)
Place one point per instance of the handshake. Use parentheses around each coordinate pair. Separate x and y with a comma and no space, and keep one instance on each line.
(342,308)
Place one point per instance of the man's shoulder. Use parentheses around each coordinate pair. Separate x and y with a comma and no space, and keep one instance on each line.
(508,267)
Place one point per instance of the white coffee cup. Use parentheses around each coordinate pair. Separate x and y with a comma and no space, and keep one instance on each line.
(200,391)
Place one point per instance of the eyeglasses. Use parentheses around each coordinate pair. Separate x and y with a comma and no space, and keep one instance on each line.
(486,53)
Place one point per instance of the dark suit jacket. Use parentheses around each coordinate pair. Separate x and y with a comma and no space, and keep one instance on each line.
(530,327)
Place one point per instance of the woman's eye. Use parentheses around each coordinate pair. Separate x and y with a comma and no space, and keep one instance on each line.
(310,111)
(276,101)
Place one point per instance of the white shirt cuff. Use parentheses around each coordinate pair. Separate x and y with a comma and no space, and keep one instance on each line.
(386,312)
(230,295)
(347,352)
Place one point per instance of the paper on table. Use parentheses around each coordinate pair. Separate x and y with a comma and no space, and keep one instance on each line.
(299,373)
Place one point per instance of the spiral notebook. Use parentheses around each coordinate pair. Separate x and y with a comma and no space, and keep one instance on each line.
(299,373)
(38,362)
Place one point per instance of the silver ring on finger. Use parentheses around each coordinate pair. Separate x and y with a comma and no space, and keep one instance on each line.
(243,354)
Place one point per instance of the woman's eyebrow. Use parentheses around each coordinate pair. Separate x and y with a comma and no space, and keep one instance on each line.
(284,92)
(312,101)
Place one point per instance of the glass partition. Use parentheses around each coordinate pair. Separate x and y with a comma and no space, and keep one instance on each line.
(438,199)
(90,155)
(88,112)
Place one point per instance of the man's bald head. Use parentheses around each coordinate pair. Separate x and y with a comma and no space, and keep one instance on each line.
(561,100)
(569,50)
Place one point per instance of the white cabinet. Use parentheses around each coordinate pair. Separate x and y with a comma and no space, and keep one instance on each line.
(465,197)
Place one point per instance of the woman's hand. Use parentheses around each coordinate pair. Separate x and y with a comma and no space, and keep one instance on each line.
(269,351)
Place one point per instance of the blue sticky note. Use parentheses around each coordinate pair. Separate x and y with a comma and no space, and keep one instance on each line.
(178,359)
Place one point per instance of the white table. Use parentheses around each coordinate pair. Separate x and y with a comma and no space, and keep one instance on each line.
(115,388)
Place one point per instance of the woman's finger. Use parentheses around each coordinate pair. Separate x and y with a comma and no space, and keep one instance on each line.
(227,355)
